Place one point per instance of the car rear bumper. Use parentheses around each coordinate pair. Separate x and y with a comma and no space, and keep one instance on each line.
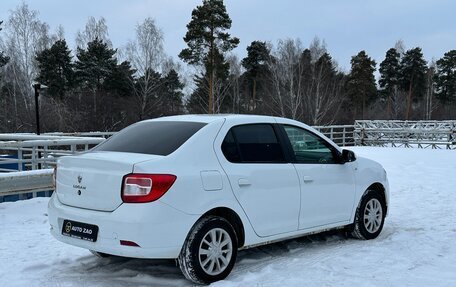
(157,228)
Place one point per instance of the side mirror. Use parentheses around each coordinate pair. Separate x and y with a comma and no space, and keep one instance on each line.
(347,156)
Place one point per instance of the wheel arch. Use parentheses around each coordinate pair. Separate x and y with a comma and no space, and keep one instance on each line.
(233,218)
(378,187)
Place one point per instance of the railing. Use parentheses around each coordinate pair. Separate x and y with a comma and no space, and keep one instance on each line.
(25,182)
(341,135)
(26,159)
(82,134)
(30,152)
(420,134)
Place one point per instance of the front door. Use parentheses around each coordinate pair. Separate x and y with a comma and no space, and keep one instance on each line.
(327,186)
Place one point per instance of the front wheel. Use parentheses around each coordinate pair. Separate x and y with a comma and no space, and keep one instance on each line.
(370,216)
(210,251)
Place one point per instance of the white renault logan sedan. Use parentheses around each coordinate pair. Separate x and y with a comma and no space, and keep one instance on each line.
(198,188)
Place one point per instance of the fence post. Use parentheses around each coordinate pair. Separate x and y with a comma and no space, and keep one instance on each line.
(19,159)
(452,137)
(45,156)
(343,136)
(33,158)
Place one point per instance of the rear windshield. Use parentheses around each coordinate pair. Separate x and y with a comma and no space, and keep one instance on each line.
(159,138)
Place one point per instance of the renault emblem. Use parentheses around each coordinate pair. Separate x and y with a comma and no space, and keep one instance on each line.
(68,227)
(79,179)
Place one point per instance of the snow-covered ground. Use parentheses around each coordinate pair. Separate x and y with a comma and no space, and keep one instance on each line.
(416,248)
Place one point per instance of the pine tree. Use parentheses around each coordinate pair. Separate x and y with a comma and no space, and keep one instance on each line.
(121,80)
(255,63)
(56,69)
(3,58)
(361,86)
(413,77)
(172,93)
(445,78)
(197,102)
(389,78)
(95,64)
(207,39)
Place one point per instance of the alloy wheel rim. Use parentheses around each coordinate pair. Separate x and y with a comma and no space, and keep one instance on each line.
(215,251)
(373,215)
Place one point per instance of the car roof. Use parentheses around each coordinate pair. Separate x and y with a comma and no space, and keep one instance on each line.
(208,118)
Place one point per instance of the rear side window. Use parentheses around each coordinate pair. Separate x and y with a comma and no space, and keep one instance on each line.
(230,149)
(256,143)
(159,138)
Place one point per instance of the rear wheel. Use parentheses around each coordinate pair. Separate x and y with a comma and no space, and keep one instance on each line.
(370,216)
(210,251)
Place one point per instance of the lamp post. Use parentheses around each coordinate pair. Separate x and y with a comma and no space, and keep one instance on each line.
(37,87)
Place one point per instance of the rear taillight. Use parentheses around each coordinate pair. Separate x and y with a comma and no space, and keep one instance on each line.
(140,187)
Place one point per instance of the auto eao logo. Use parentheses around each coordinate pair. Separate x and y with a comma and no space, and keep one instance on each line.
(79,179)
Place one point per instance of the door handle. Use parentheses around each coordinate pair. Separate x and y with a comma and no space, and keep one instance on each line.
(244,182)
(307,178)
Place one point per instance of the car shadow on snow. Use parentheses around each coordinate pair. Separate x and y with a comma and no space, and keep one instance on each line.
(118,271)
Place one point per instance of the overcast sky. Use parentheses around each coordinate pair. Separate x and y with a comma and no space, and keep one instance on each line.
(347,26)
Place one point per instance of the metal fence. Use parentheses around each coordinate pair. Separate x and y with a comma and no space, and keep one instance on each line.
(82,134)
(341,134)
(26,161)
(20,152)
(418,134)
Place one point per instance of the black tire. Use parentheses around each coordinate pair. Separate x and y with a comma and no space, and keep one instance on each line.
(363,227)
(190,257)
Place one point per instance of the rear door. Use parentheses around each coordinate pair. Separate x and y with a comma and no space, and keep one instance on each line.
(264,183)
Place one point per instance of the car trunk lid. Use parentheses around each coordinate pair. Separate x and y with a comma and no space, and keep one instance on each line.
(93,180)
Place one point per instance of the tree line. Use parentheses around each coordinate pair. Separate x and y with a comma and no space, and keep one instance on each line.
(97,87)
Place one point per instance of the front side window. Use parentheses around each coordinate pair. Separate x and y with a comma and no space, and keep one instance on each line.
(255,143)
(307,147)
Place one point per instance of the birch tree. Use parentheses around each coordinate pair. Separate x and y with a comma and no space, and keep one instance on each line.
(146,54)
(324,94)
(285,67)
(3,58)
(26,36)
(93,30)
